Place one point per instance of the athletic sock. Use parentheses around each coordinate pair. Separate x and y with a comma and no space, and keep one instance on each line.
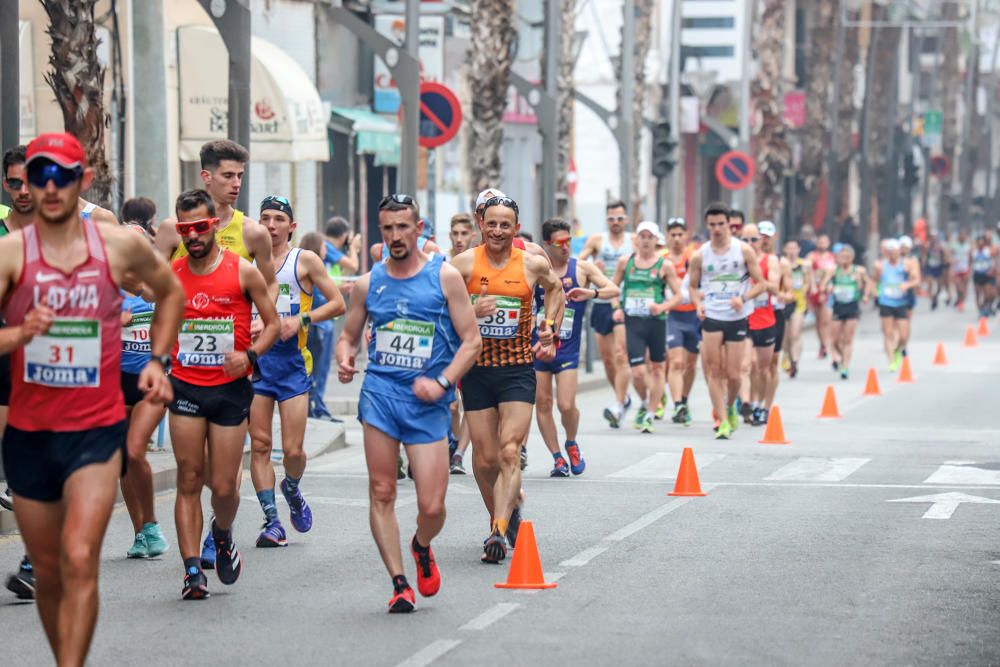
(500,526)
(570,442)
(266,500)
(292,483)
(556,456)
(399,583)
(418,547)
(194,562)
(620,407)
(684,400)
(220,535)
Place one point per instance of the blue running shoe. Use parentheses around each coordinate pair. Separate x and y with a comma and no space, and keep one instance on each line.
(272,535)
(513,526)
(302,516)
(228,564)
(560,468)
(195,585)
(208,552)
(155,542)
(576,462)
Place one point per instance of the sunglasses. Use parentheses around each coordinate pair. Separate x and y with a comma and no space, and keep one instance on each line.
(14,183)
(617,218)
(278,198)
(501,201)
(40,173)
(563,243)
(402,200)
(196,226)
(751,239)
(676,222)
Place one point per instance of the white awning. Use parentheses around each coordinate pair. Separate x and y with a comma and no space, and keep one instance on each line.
(288,121)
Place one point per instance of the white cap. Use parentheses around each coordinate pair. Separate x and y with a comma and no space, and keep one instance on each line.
(767,228)
(661,239)
(905,241)
(647,226)
(891,244)
(488,193)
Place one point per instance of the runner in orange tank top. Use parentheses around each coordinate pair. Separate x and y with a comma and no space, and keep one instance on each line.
(501,281)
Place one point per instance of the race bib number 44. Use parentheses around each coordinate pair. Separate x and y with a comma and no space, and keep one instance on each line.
(404,343)
(205,342)
(135,336)
(68,355)
(502,323)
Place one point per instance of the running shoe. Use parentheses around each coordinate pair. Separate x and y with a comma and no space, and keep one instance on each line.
(836,365)
(195,585)
(298,508)
(6,500)
(576,462)
(613,417)
(662,408)
(764,412)
(403,602)
(647,424)
(640,417)
(456,465)
(22,582)
(155,542)
(844,374)
(272,535)
(139,547)
(793,369)
(724,431)
(228,564)
(746,411)
(524,458)
(400,468)
(687,414)
(208,552)
(628,401)
(734,418)
(514,525)
(560,468)
(494,549)
(786,364)
(428,575)
(822,352)
(675,417)
(757,418)
(894,365)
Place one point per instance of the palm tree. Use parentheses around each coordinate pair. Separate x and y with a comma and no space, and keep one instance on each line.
(567,16)
(815,138)
(490,56)
(879,124)
(773,155)
(643,41)
(77,79)
(846,119)
(950,86)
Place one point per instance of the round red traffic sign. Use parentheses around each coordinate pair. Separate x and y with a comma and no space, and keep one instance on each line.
(940,166)
(734,170)
(440,115)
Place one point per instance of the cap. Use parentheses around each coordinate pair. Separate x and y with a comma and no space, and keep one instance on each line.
(647,226)
(766,228)
(677,222)
(661,239)
(428,231)
(277,203)
(488,193)
(891,244)
(60,147)
(905,241)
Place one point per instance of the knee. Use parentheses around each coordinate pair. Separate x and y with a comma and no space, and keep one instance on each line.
(510,456)
(431,508)
(79,561)
(566,405)
(261,442)
(543,403)
(224,486)
(382,492)
(484,461)
(189,480)
(295,454)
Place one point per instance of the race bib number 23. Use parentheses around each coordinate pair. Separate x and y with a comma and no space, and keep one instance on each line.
(205,342)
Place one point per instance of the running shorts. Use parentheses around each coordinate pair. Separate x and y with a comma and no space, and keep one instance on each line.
(282,376)
(485,387)
(764,337)
(38,463)
(895,312)
(781,317)
(602,319)
(558,365)
(224,404)
(4,380)
(983,279)
(732,332)
(846,311)
(410,422)
(684,330)
(130,389)
(645,333)
(934,271)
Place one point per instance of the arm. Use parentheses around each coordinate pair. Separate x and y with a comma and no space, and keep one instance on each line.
(350,261)
(617,280)
(788,295)
(915,277)
(773,275)
(866,284)
(39,318)
(316,275)
(668,272)
(252,283)
(824,282)
(694,283)
(258,242)
(604,288)
(350,338)
(590,248)
(753,268)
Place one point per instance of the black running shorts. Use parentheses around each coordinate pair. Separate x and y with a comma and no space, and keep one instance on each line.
(225,404)
(486,387)
(602,319)
(764,337)
(846,311)
(895,312)
(4,379)
(732,332)
(642,334)
(130,389)
(781,317)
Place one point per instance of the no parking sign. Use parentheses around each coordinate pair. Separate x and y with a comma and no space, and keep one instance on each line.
(734,170)
(440,115)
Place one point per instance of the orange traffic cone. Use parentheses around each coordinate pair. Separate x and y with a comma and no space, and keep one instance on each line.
(983,329)
(905,373)
(774,434)
(829,410)
(687,477)
(526,566)
(871,386)
(970,338)
(940,359)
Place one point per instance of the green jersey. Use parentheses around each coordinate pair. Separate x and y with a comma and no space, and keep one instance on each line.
(846,287)
(641,288)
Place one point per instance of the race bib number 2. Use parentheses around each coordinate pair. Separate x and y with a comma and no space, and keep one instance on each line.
(404,343)
(502,323)
(68,355)
(205,342)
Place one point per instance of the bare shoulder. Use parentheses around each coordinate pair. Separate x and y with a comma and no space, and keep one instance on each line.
(463,261)
(537,265)
(12,251)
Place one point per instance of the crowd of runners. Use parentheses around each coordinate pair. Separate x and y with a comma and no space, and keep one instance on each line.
(214,318)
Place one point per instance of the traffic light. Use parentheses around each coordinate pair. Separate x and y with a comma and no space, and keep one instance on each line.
(664,146)
(911,171)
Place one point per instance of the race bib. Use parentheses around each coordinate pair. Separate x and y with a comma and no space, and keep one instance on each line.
(565,329)
(204,343)
(283,304)
(502,323)
(845,293)
(404,344)
(982,265)
(638,302)
(892,291)
(762,300)
(934,261)
(798,280)
(135,335)
(68,355)
(722,290)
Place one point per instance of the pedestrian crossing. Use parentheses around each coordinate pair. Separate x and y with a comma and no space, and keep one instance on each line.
(814,469)
(662,465)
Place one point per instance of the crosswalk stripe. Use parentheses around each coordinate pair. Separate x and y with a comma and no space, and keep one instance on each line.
(816,469)
(662,465)
(963,472)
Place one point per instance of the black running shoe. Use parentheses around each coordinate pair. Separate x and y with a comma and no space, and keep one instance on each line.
(22,582)
(195,585)
(513,526)
(524,458)
(227,560)
(495,549)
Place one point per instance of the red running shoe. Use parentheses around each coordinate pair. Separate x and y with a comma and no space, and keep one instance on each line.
(428,575)
(403,602)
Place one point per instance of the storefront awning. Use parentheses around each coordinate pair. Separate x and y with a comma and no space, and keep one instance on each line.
(287,116)
(376,135)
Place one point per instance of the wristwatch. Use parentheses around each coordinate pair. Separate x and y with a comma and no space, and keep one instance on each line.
(252,358)
(304,320)
(163,360)
(597,293)
(443,381)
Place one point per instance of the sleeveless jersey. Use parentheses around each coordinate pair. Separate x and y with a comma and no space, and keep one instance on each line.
(292,301)
(723,277)
(421,242)
(846,288)
(935,257)
(762,316)
(890,291)
(982,262)
(229,237)
(610,255)
(572,323)
(681,267)
(823,261)
(641,288)
(68,378)
(216,320)
(507,332)
(136,346)
(414,336)
(960,257)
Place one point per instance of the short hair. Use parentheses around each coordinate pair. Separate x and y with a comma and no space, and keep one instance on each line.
(736,213)
(214,152)
(393,206)
(616,203)
(553,225)
(336,226)
(716,208)
(192,199)
(12,156)
(526,236)
(139,210)
(461,219)
(313,241)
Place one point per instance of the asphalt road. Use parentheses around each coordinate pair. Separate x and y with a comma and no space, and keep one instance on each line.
(797,555)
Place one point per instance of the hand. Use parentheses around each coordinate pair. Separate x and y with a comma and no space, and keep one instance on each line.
(700,309)
(289,327)
(355,244)
(544,349)
(580,294)
(618,315)
(126,318)
(658,309)
(485,305)
(37,321)
(256,326)
(737,303)
(545,334)
(346,370)
(236,364)
(155,384)
(427,390)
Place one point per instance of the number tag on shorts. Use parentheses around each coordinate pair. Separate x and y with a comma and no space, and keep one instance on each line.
(502,323)
(135,335)
(68,355)
(638,301)
(404,343)
(283,305)
(204,343)
(565,329)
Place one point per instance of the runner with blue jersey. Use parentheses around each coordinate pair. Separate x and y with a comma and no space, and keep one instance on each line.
(425,338)
(577,278)
(891,277)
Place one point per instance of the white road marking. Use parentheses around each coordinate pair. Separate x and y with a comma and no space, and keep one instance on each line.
(943,505)
(647,519)
(430,653)
(814,469)
(402,500)
(663,465)
(585,556)
(490,616)
(961,472)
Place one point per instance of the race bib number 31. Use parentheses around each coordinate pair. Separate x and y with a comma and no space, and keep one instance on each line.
(205,342)
(135,336)
(68,355)
(404,344)
(502,323)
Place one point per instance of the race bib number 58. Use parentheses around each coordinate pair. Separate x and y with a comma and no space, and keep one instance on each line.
(502,323)
(205,342)
(68,355)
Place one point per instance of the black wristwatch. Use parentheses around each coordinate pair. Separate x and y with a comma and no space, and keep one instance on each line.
(163,360)
(252,358)
(304,320)
(443,381)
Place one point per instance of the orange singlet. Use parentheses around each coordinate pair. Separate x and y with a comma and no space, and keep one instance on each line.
(507,333)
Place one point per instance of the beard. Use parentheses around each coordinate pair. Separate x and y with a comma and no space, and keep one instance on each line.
(24,207)
(200,252)
(399,253)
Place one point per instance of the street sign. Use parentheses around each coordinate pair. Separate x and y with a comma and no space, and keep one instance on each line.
(943,505)
(734,170)
(440,115)
(940,165)
(932,122)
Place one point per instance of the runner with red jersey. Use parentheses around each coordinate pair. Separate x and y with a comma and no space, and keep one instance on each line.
(763,323)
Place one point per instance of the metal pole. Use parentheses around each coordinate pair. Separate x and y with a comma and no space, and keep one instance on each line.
(626,113)
(432,187)
(833,161)
(968,164)
(745,196)
(674,108)
(409,92)
(10,92)
(149,103)
(550,133)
